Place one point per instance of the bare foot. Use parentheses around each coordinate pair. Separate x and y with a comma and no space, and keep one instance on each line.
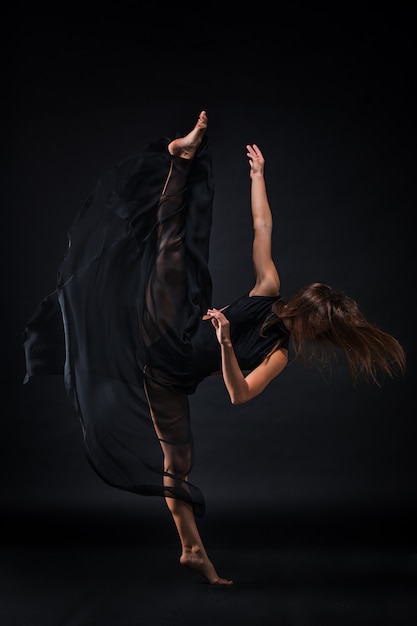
(202,565)
(186,147)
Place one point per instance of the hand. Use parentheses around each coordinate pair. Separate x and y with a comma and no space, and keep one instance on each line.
(222,326)
(256,160)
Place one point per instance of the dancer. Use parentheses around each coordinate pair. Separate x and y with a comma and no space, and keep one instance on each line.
(133,303)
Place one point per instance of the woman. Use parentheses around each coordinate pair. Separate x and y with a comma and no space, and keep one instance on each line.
(132,301)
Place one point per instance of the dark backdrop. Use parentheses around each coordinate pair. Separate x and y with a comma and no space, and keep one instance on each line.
(329,98)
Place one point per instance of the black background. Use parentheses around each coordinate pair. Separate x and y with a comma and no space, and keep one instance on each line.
(329,97)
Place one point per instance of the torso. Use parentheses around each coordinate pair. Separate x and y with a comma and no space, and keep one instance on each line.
(246,316)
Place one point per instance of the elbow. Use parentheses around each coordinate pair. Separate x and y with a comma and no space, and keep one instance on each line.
(238,389)
(238,399)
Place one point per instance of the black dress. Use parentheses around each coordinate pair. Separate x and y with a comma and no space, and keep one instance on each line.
(124,324)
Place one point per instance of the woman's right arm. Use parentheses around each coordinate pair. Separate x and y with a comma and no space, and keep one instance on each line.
(241,389)
(267,281)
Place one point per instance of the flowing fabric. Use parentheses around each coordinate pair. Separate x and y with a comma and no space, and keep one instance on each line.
(126,320)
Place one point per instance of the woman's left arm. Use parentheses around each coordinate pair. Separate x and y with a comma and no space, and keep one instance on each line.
(267,282)
(242,388)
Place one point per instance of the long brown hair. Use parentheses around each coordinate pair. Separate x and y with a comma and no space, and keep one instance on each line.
(320,319)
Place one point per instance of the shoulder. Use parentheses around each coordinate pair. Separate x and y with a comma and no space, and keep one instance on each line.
(269,287)
(275,362)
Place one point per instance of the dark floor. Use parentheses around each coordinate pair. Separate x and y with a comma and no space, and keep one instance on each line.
(102,569)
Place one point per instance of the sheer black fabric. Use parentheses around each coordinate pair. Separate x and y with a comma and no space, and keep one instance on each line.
(122,303)
(126,320)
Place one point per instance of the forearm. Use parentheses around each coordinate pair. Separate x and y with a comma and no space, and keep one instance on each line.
(266,275)
(261,211)
(233,377)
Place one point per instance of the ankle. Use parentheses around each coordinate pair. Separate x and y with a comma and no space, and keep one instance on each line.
(193,550)
(177,149)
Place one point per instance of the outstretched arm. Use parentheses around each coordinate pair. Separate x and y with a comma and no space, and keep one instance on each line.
(267,281)
(242,388)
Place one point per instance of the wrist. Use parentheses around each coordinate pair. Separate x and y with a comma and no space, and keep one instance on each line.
(258,175)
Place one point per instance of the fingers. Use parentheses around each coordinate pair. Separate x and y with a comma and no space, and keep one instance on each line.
(255,156)
(217,315)
(254,151)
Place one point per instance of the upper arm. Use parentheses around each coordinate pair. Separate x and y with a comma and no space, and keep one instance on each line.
(262,375)
(267,282)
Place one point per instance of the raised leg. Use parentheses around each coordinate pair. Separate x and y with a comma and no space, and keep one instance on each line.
(166,292)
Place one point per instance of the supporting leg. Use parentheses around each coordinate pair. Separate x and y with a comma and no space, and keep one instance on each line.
(170,414)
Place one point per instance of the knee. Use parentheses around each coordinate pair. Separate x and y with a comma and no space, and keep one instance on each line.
(179,466)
